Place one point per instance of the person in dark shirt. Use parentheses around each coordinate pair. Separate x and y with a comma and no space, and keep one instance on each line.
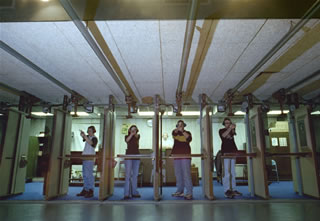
(182,167)
(132,165)
(228,146)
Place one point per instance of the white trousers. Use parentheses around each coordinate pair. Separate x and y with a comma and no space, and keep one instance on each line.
(229,174)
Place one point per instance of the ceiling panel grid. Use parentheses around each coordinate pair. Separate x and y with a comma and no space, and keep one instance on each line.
(172,38)
(230,39)
(193,49)
(116,53)
(19,76)
(139,45)
(271,33)
(47,45)
(286,79)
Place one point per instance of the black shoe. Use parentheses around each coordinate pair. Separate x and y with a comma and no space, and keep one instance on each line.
(126,197)
(229,194)
(82,193)
(236,193)
(89,194)
(136,195)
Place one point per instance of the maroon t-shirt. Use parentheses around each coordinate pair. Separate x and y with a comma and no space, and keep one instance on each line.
(228,145)
(132,145)
(181,144)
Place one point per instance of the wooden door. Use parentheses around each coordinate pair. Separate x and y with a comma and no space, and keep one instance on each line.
(156,151)
(57,179)
(257,132)
(207,151)
(106,185)
(14,153)
(307,143)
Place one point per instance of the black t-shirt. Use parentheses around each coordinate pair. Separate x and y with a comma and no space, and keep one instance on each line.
(181,144)
(94,141)
(228,145)
(132,145)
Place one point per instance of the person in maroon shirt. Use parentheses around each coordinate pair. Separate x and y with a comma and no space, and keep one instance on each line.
(182,167)
(228,146)
(132,165)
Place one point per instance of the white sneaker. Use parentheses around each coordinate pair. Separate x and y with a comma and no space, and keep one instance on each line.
(188,197)
(177,194)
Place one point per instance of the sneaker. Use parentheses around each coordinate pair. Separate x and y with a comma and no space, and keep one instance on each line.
(188,197)
(136,195)
(82,193)
(177,194)
(236,193)
(89,194)
(229,194)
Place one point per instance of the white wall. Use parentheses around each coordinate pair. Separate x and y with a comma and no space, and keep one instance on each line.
(37,126)
(168,125)
(146,135)
(239,139)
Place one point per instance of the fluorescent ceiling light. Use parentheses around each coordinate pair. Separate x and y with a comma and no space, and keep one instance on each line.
(1,114)
(80,113)
(169,113)
(277,112)
(41,114)
(315,113)
(239,113)
(215,111)
(190,113)
(145,113)
(151,113)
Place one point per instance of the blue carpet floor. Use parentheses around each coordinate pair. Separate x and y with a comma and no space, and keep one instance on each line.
(281,190)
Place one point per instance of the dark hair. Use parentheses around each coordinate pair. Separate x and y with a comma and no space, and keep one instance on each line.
(226,118)
(92,128)
(184,124)
(132,127)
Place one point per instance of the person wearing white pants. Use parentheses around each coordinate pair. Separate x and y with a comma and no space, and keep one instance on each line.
(131,179)
(228,146)
(229,174)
